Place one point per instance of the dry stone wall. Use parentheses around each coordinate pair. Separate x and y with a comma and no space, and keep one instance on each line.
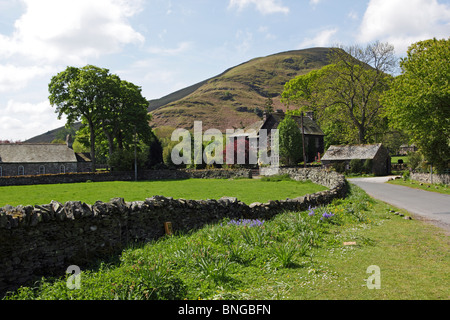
(427,178)
(44,240)
(123,176)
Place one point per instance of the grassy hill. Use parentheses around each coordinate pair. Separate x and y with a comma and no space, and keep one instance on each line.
(229,100)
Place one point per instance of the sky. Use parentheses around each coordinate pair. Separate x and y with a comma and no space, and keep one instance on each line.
(166,45)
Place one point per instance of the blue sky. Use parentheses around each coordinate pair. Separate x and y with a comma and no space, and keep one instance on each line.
(166,45)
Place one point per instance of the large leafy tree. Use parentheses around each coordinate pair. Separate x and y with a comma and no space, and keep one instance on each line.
(81,93)
(126,119)
(290,145)
(345,94)
(419,100)
(113,111)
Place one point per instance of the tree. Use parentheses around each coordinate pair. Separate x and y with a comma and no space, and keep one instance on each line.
(345,93)
(419,100)
(113,111)
(79,93)
(126,119)
(268,105)
(290,146)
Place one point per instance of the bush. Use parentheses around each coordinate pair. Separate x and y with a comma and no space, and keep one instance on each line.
(339,167)
(367,166)
(415,159)
(356,166)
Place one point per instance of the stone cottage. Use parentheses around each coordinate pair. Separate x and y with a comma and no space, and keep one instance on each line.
(377,153)
(405,149)
(314,136)
(35,159)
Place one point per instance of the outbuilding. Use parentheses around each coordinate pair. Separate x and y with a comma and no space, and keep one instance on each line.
(375,154)
(35,159)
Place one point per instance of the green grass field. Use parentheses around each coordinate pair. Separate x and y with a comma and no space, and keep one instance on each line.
(246,190)
(396,158)
(294,256)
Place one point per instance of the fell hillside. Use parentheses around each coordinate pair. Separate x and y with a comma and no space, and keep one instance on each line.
(229,100)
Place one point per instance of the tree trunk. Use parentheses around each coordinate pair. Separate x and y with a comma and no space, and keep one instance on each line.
(110,141)
(362,134)
(92,138)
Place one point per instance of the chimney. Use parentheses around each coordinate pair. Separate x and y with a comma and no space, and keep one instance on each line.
(69,141)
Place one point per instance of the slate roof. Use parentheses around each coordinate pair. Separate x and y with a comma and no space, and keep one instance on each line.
(274,119)
(310,126)
(36,153)
(349,152)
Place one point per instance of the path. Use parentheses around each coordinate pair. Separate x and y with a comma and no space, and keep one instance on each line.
(430,206)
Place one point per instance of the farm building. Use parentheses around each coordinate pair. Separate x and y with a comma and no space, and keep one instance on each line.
(377,154)
(35,159)
(405,149)
(314,136)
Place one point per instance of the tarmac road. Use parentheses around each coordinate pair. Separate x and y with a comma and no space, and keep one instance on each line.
(424,205)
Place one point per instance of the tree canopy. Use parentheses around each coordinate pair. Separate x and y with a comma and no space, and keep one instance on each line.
(113,110)
(290,145)
(345,94)
(419,99)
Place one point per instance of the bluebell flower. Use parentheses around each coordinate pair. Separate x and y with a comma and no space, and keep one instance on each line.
(311,211)
(327,215)
(247,222)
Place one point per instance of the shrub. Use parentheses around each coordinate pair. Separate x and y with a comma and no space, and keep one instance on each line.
(339,166)
(367,166)
(356,166)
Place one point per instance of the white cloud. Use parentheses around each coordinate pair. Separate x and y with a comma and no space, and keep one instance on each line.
(244,41)
(265,30)
(353,15)
(263,6)
(13,78)
(322,39)
(71,31)
(24,120)
(402,24)
(182,47)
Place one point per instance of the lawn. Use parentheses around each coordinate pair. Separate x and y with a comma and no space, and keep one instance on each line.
(321,253)
(396,158)
(246,190)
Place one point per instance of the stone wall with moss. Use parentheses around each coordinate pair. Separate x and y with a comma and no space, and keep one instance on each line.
(44,240)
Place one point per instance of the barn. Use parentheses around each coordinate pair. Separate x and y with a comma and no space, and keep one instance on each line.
(377,155)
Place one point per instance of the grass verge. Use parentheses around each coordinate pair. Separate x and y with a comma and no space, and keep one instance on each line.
(321,253)
(440,188)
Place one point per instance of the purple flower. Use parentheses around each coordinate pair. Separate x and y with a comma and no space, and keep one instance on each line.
(247,222)
(327,215)
(311,211)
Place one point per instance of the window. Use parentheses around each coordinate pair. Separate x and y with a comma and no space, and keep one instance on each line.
(21,171)
(1,172)
(41,170)
(62,169)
